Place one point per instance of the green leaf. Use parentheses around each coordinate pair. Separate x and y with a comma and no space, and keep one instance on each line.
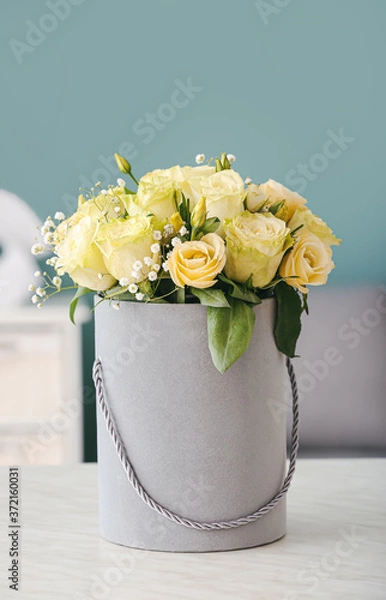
(219,166)
(276,207)
(241,292)
(127,191)
(81,291)
(225,161)
(305,304)
(210,225)
(211,297)
(288,323)
(276,281)
(229,332)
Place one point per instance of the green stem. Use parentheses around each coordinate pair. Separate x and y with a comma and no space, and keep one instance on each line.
(181,295)
(133,178)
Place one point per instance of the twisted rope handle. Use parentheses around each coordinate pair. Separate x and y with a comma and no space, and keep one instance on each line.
(162,510)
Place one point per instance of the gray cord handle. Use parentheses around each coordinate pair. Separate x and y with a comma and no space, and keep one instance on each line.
(162,510)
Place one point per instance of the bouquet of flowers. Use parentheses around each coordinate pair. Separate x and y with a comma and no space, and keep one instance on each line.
(193,234)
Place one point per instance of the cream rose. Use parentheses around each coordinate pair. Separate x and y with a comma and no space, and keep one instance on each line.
(224,193)
(256,244)
(112,205)
(315,225)
(124,245)
(271,192)
(310,260)
(189,179)
(79,255)
(197,263)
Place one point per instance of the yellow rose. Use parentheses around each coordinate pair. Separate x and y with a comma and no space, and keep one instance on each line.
(156,189)
(309,260)
(314,224)
(63,227)
(256,244)
(79,256)
(125,244)
(224,193)
(197,263)
(271,192)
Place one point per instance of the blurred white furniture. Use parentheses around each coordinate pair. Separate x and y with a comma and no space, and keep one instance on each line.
(335,546)
(19,229)
(41,386)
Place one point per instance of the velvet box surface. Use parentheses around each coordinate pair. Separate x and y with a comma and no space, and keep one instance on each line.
(205,445)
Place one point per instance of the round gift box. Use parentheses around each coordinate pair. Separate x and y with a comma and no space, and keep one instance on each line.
(204,445)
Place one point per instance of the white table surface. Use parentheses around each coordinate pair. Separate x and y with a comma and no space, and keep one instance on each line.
(334,547)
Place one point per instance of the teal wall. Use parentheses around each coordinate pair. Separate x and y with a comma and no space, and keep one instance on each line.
(274,81)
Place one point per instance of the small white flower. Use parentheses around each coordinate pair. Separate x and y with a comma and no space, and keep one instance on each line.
(139,296)
(157,235)
(32,288)
(44,230)
(165,266)
(137,266)
(247,181)
(136,275)
(183,230)
(52,261)
(168,230)
(124,281)
(59,216)
(115,305)
(169,254)
(121,182)
(37,274)
(231,158)
(152,276)
(200,158)
(35,299)
(48,238)
(133,288)
(100,275)
(57,281)
(148,261)
(176,241)
(49,223)
(41,292)
(104,192)
(37,249)
(40,305)
(117,210)
(156,267)
(155,248)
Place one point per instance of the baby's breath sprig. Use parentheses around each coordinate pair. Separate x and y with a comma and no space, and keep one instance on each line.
(43,291)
